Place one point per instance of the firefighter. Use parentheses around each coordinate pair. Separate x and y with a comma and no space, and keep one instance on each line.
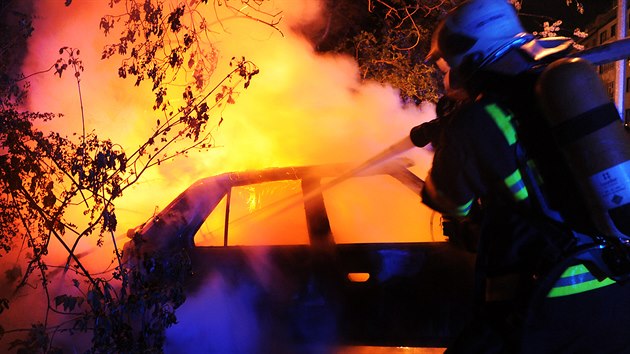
(541,287)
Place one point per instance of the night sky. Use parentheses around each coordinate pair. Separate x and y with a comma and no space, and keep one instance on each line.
(535,12)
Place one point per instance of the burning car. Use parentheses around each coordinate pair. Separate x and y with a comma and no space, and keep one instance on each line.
(297,257)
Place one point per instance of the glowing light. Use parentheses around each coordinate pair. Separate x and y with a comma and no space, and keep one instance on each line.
(358,277)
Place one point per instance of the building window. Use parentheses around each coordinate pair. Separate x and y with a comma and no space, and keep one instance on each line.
(613,31)
(610,87)
(626,114)
(603,36)
(627,84)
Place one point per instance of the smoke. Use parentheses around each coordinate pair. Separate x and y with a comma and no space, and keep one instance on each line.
(232,307)
(257,307)
(303,108)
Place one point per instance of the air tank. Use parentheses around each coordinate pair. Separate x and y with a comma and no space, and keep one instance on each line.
(590,134)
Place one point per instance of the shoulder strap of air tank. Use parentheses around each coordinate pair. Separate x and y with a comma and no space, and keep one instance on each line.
(531,179)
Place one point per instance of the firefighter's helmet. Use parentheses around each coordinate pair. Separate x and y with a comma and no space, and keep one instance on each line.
(477,33)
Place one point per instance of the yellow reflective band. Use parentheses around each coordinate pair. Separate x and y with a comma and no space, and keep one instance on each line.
(521,194)
(502,121)
(464,209)
(580,288)
(575,286)
(574,270)
(515,184)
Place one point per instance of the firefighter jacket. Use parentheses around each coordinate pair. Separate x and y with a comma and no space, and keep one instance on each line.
(479,161)
(475,157)
(495,155)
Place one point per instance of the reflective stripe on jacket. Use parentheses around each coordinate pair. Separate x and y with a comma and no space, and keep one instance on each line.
(503,120)
(577,279)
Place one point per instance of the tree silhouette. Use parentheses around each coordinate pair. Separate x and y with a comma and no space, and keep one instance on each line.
(390,38)
(42,175)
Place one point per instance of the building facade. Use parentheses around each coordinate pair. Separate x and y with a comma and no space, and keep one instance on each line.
(601,31)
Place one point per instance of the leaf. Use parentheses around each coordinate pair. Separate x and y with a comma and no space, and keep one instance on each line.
(4,305)
(59,300)
(49,200)
(68,302)
(13,274)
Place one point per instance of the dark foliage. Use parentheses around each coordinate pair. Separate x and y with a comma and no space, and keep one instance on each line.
(389,39)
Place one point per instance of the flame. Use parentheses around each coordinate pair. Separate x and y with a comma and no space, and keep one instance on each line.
(253,202)
(303,108)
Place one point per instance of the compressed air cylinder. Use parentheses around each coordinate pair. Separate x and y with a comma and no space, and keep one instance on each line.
(591,136)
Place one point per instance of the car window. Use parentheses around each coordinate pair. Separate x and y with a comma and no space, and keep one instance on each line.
(212,231)
(269,213)
(379,209)
(360,210)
